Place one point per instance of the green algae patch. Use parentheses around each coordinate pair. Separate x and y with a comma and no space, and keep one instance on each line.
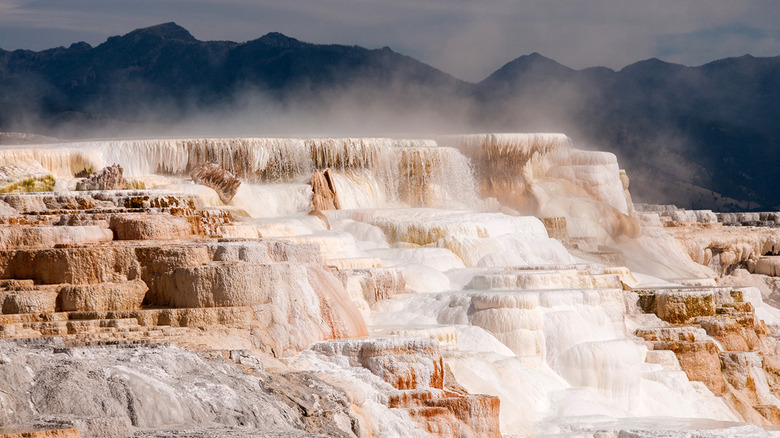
(29,185)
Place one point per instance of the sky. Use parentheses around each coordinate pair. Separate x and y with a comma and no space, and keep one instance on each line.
(466,38)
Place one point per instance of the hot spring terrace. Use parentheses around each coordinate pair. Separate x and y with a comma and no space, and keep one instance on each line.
(481,285)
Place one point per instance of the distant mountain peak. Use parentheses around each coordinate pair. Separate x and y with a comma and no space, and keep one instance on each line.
(164,31)
(81,45)
(533,62)
(652,66)
(534,55)
(652,61)
(277,39)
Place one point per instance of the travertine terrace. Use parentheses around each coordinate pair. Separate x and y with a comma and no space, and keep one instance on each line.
(480,285)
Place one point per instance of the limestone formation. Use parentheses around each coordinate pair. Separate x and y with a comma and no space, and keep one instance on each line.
(142,227)
(324,192)
(107,178)
(541,174)
(25,176)
(415,369)
(680,305)
(556,227)
(41,433)
(28,300)
(732,353)
(219,179)
(389,308)
(697,352)
(371,285)
(765,265)
(45,236)
(752,219)
(76,275)
(725,248)
(102,296)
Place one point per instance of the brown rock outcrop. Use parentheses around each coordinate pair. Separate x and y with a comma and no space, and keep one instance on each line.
(75,265)
(228,284)
(680,306)
(726,346)
(735,331)
(28,301)
(44,236)
(44,433)
(147,227)
(102,297)
(107,178)
(217,178)
(324,191)
(683,304)
(458,415)
(697,353)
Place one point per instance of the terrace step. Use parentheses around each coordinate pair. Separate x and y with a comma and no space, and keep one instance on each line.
(60,328)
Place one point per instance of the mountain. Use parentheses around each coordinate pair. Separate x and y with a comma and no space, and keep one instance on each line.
(700,137)
(704,137)
(164,66)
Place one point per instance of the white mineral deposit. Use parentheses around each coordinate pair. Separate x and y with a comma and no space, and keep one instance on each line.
(477,285)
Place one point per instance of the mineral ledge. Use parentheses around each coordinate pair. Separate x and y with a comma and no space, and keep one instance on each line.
(464,286)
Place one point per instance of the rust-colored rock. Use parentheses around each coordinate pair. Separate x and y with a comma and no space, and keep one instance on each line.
(475,415)
(697,352)
(414,367)
(324,191)
(405,363)
(217,178)
(736,332)
(76,265)
(678,307)
(43,433)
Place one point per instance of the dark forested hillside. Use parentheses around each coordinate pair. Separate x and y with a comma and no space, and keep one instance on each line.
(678,129)
(165,67)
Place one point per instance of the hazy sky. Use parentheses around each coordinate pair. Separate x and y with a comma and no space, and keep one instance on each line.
(466,38)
